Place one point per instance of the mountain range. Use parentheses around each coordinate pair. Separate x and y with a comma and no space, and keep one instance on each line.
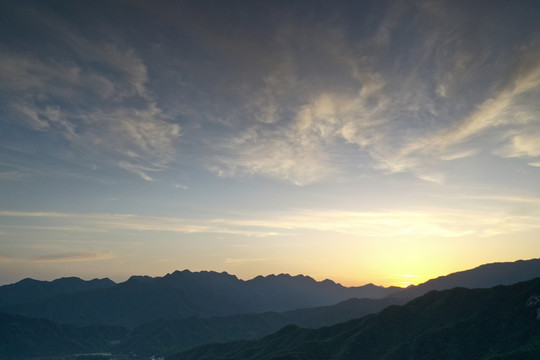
(184,309)
(484,276)
(502,322)
(30,290)
(183,294)
(21,335)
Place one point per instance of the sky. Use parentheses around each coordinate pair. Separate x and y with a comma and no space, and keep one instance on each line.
(384,142)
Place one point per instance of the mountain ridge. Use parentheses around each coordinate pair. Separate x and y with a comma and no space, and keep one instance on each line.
(493,323)
(29,290)
(162,335)
(184,293)
(482,276)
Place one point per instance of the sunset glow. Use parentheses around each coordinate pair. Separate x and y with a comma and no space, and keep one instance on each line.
(361,141)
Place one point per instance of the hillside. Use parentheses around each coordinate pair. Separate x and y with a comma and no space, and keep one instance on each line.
(26,337)
(495,323)
(167,336)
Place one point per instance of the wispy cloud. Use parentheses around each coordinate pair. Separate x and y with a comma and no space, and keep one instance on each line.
(142,171)
(71,257)
(46,96)
(291,106)
(60,257)
(437,223)
(5,259)
(244,261)
(407,119)
(526,145)
(126,222)
(13,175)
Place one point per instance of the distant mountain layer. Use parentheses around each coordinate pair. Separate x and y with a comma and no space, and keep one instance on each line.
(22,337)
(163,337)
(184,294)
(483,276)
(497,323)
(30,290)
(26,337)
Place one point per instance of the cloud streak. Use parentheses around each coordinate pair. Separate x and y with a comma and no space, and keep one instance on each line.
(71,257)
(436,223)
(61,257)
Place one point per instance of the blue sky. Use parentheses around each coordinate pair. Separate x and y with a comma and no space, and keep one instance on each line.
(362,141)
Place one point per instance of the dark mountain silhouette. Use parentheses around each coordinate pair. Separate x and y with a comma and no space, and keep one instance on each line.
(22,337)
(170,313)
(26,337)
(30,290)
(183,294)
(167,336)
(483,276)
(497,323)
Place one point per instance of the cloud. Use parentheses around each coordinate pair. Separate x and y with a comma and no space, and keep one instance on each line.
(459,155)
(243,261)
(522,146)
(404,93)
(143,134)
(126,62)
(61,257)
(5,259)
(303,150)
(504,114)
(91,104)
(71,257)
(277,156)
(29,75)
(493,112)
(13,175)
(507,198)
(343,94)
(127,222)
(137,169)
(435,223)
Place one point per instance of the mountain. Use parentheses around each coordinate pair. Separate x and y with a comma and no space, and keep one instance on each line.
(27,337)
(163,337)
(22,337)
(483,276)
(183,294)
(184,309)
(30,290)
(203,294)
(502,322)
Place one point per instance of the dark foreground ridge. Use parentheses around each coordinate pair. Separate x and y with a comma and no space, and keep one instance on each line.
(492,324)
(22,337)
